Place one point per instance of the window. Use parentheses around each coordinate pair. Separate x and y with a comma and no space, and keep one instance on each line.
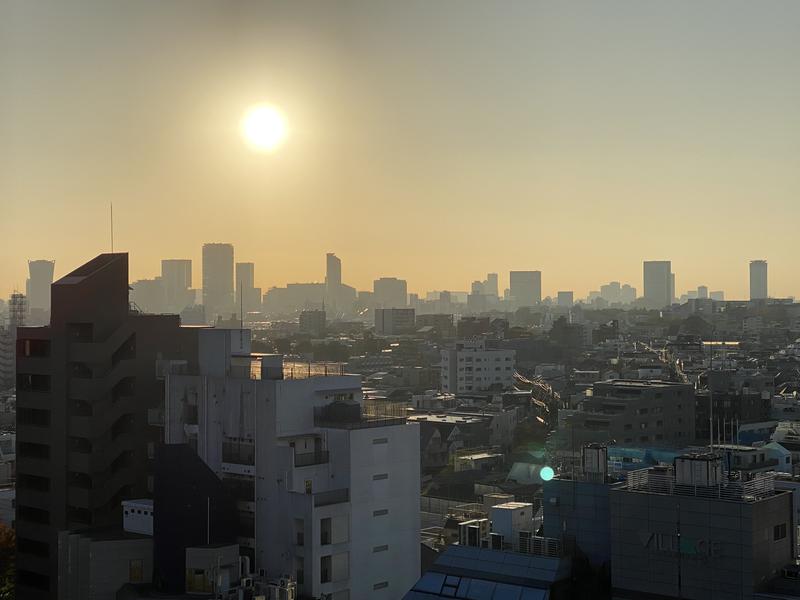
(33,482)
(38,417)
(33,382)
(33,515)
(26,546)
(33,348)
(380,441)
(381,585)
(33,580)
(325,569)
(380,513)
(779,532)
(325,531)
(136,571)
(299,532)
(380,476)
(382,548)
(308,486)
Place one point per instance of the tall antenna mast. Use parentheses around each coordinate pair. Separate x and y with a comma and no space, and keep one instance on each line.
(711,395)
(112,227)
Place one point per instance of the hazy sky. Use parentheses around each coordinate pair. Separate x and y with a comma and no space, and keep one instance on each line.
(431,140)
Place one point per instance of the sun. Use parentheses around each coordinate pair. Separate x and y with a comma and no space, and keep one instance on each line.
(264,128)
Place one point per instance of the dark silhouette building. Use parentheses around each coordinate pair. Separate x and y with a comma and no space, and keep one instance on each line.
(192,508)
(86,387)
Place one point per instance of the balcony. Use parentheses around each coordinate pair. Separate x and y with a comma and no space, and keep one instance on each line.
(307,459)
(350,415)
(339,496)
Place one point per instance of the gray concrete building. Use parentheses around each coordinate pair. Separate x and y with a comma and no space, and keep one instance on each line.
(641,412)
(695,532)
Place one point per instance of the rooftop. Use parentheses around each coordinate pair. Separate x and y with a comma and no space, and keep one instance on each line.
(732,486)
(443,418)
(641,383)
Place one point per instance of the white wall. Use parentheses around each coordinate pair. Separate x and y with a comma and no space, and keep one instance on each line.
(399,494)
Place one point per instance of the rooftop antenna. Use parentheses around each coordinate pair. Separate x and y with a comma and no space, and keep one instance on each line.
(711,394)
(241,315)
(112,228)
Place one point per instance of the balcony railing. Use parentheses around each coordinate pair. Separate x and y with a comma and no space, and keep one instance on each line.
(306,459)
(331,497)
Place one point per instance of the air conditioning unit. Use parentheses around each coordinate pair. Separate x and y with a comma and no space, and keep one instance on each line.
(247,582)
(496,541)
(470,533)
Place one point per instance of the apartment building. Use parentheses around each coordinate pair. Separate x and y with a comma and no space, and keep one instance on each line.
(326,493)
(472,367)
(85,384)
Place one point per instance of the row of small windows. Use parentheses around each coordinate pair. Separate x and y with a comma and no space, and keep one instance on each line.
(139,511)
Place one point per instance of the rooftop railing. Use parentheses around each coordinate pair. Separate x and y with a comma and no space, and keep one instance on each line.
(304,370)
(730,487)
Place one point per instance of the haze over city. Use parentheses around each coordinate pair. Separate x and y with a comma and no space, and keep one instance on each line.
(575,139)
(399,300)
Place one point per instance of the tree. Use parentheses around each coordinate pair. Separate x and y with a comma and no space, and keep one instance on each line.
(7,567)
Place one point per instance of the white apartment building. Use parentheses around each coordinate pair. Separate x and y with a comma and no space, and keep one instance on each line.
(326,494)
(472,367)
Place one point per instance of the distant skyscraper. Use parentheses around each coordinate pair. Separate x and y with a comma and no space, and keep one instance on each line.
(611,292)
(245,275)
(38,285)
(333,271)
(339,297)
(758,280)
(218,296)
(672,287)
(627,294)
(390,292)
(490,287)
(176,277)
(565,299)
(248,296)
(526,287)
(718,295)
(658,283)
(702,292)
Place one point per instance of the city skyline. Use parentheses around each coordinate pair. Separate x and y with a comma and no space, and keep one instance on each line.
(518,141)
(316,273)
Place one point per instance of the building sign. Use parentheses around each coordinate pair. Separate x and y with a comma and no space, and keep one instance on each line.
(683,546)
